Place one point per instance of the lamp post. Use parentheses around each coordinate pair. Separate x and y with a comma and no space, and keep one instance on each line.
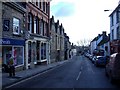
(106,10)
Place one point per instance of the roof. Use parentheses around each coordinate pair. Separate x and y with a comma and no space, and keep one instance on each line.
(96,38)
(117,8)
(103,41)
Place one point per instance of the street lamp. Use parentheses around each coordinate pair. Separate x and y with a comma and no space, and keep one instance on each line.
(107,10)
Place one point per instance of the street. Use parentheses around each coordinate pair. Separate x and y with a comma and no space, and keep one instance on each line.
(79,72)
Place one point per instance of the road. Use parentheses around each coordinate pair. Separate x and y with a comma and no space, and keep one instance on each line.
(78,72)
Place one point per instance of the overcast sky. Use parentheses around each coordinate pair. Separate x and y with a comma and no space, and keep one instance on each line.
(83,19)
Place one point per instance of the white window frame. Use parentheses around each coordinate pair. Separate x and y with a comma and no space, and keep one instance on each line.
(30,23)
(16,25)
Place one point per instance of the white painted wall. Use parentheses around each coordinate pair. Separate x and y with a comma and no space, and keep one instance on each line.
(93,46)
(114,27)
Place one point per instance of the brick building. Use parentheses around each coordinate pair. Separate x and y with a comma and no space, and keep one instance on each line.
(37,33)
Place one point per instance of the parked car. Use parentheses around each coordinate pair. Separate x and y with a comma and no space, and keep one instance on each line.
(112,69)
(94,58)
(100,61)
(87,55)
(90,57)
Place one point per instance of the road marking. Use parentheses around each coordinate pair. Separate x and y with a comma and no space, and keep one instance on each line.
(79,74)
(33,76)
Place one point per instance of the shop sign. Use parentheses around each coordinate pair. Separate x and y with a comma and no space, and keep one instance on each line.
(6,41)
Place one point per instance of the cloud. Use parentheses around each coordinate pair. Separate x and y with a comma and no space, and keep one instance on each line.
(63,9)
(83,19)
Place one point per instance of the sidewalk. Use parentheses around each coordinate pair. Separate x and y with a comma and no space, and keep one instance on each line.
(6,80)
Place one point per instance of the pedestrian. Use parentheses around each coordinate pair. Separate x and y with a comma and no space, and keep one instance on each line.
(11,67)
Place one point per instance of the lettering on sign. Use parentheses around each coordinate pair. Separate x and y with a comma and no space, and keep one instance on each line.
(4,41)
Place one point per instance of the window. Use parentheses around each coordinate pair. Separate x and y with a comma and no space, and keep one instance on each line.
(35,24)
(41,27)
(112,34)
(43,51)
(16,26)
(44,6)
(111,20)
(30,23)
(47,30)
(18,55)
(29,52)
(6,25)
(47,8)
(118,33)
(36,3)
(40,5)
(117,17)
(38,50)
(45,27)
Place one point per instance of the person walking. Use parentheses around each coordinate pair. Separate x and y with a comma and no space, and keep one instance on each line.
(11,67)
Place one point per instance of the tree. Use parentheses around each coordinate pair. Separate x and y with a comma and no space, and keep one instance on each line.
(84,42)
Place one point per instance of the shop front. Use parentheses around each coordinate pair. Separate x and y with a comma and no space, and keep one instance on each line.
(13,48)
(37,52)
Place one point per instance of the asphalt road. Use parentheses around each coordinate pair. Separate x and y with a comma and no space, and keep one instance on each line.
(76,73)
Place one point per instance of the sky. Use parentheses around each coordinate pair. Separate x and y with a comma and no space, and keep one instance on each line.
(83,19)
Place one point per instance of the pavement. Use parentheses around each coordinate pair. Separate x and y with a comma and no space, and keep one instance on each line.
(21,75)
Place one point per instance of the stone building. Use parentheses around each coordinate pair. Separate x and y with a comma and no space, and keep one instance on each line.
(53,45)
(13,38)
(62,49)
(67,46)
(57,41)
(57,30)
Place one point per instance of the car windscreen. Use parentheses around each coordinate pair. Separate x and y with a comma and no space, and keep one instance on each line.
(101,58)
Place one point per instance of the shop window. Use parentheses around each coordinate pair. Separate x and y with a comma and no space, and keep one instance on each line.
(29,52)
(38,50)
(43,51)
(18,55)
(7,53)
(16,26)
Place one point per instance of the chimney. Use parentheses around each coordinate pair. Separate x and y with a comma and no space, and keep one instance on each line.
(57,21)
(99,35)
(104,33)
